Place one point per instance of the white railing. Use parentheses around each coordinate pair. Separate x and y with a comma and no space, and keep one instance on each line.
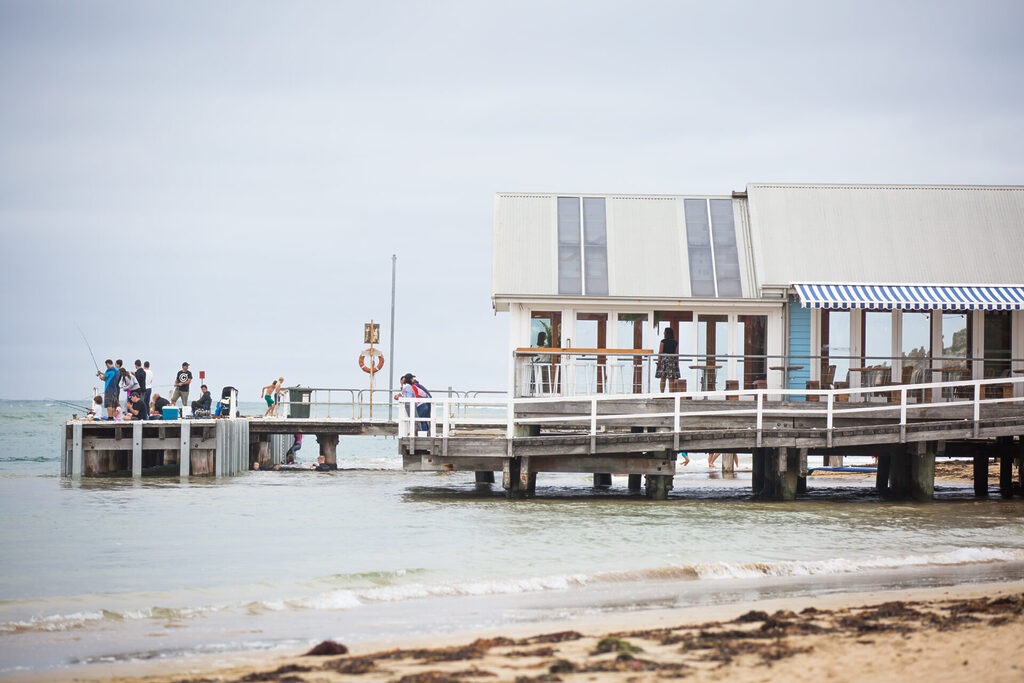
(572,372)
(453,414)
(355,404)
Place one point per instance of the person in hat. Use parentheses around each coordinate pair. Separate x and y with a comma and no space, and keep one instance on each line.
(181,383)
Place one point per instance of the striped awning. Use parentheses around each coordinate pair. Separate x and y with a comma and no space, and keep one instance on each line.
(912,297)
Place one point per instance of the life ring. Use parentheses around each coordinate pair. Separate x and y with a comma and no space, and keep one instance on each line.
(375,358)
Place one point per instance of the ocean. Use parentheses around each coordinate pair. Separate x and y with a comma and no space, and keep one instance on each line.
(110,570)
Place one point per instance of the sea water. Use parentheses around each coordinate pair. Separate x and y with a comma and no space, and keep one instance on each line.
(112,569)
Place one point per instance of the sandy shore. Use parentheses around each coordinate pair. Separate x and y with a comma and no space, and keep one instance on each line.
(942,634)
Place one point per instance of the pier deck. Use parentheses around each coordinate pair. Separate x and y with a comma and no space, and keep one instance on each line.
(641,435)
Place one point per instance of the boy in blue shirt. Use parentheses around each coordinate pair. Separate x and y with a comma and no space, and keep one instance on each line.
(110,389)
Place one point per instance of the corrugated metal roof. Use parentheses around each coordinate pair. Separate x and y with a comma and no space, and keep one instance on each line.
(887,234)
(647,245)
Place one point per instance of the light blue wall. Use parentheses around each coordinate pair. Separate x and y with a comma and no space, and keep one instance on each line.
(799,345)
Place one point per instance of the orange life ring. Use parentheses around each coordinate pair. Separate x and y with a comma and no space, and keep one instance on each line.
(376,363)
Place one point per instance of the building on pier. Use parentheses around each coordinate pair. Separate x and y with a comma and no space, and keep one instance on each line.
(795,286)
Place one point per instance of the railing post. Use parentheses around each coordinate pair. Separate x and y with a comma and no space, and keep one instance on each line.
(593,424)
(977,408)
(446,425)
(510,418)
(829,417)
(760,415)
(675,421)
(903,415)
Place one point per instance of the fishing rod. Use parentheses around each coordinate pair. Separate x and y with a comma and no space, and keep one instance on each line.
(73,405)
(89,346)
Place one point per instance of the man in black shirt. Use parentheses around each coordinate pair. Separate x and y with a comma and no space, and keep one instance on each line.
(140,375)
(205,401)
(137,407)
(181,383)
(159,403)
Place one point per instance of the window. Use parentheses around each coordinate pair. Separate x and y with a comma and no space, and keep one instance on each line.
(877,338)
(997,344)
(753,364)
(698,243)
(835,347)
(712,341)
(545,329)
(595,247)
(582,246)
(727,261)
(711,248)
(957,340)
(916,346)
(570,266)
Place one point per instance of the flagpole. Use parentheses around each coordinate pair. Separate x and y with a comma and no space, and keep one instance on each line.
(391,344)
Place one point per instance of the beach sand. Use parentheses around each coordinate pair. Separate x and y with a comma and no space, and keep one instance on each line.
(973,632)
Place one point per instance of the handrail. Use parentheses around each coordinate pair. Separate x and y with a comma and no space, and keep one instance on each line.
(355,403)
(592,418)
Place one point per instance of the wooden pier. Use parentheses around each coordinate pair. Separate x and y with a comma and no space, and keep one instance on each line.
(906,427)
(641,435)
(214,447)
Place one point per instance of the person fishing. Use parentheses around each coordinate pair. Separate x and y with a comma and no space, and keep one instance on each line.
(110,378)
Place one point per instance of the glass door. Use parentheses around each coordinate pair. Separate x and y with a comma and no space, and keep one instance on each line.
(712,350)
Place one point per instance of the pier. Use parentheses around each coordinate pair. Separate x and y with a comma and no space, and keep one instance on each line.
(906,427)
(224,447)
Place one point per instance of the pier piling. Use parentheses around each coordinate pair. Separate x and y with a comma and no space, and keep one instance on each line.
(602,480)
(485,477)
(922,471)
(634,482)
(1005,450)
(899,472)
(658,486)
(757,461)
(981,473)
(882,465)
(328,448)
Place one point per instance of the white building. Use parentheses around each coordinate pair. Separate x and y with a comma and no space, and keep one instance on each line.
(781,284)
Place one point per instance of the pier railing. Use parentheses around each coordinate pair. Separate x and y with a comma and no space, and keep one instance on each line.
(541,372)
(452,415)
(359,404)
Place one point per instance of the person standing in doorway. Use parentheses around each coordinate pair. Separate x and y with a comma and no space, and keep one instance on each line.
(149,382)
(181,385)
(668,361)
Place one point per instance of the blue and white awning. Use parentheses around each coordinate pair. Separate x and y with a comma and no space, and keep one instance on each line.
(912,297)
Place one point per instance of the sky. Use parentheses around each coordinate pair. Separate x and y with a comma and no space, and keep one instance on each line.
(225,183)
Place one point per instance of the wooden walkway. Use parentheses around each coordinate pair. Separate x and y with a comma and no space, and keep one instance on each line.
(642,435)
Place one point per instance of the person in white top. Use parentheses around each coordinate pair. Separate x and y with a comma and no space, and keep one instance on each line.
(149,383)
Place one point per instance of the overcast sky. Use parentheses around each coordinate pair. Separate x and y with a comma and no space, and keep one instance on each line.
(225,182)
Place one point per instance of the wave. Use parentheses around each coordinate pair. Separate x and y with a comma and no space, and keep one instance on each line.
(393,586)
(29,459)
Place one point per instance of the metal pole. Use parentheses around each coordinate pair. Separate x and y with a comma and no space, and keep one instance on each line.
(391,345)
(372,370)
